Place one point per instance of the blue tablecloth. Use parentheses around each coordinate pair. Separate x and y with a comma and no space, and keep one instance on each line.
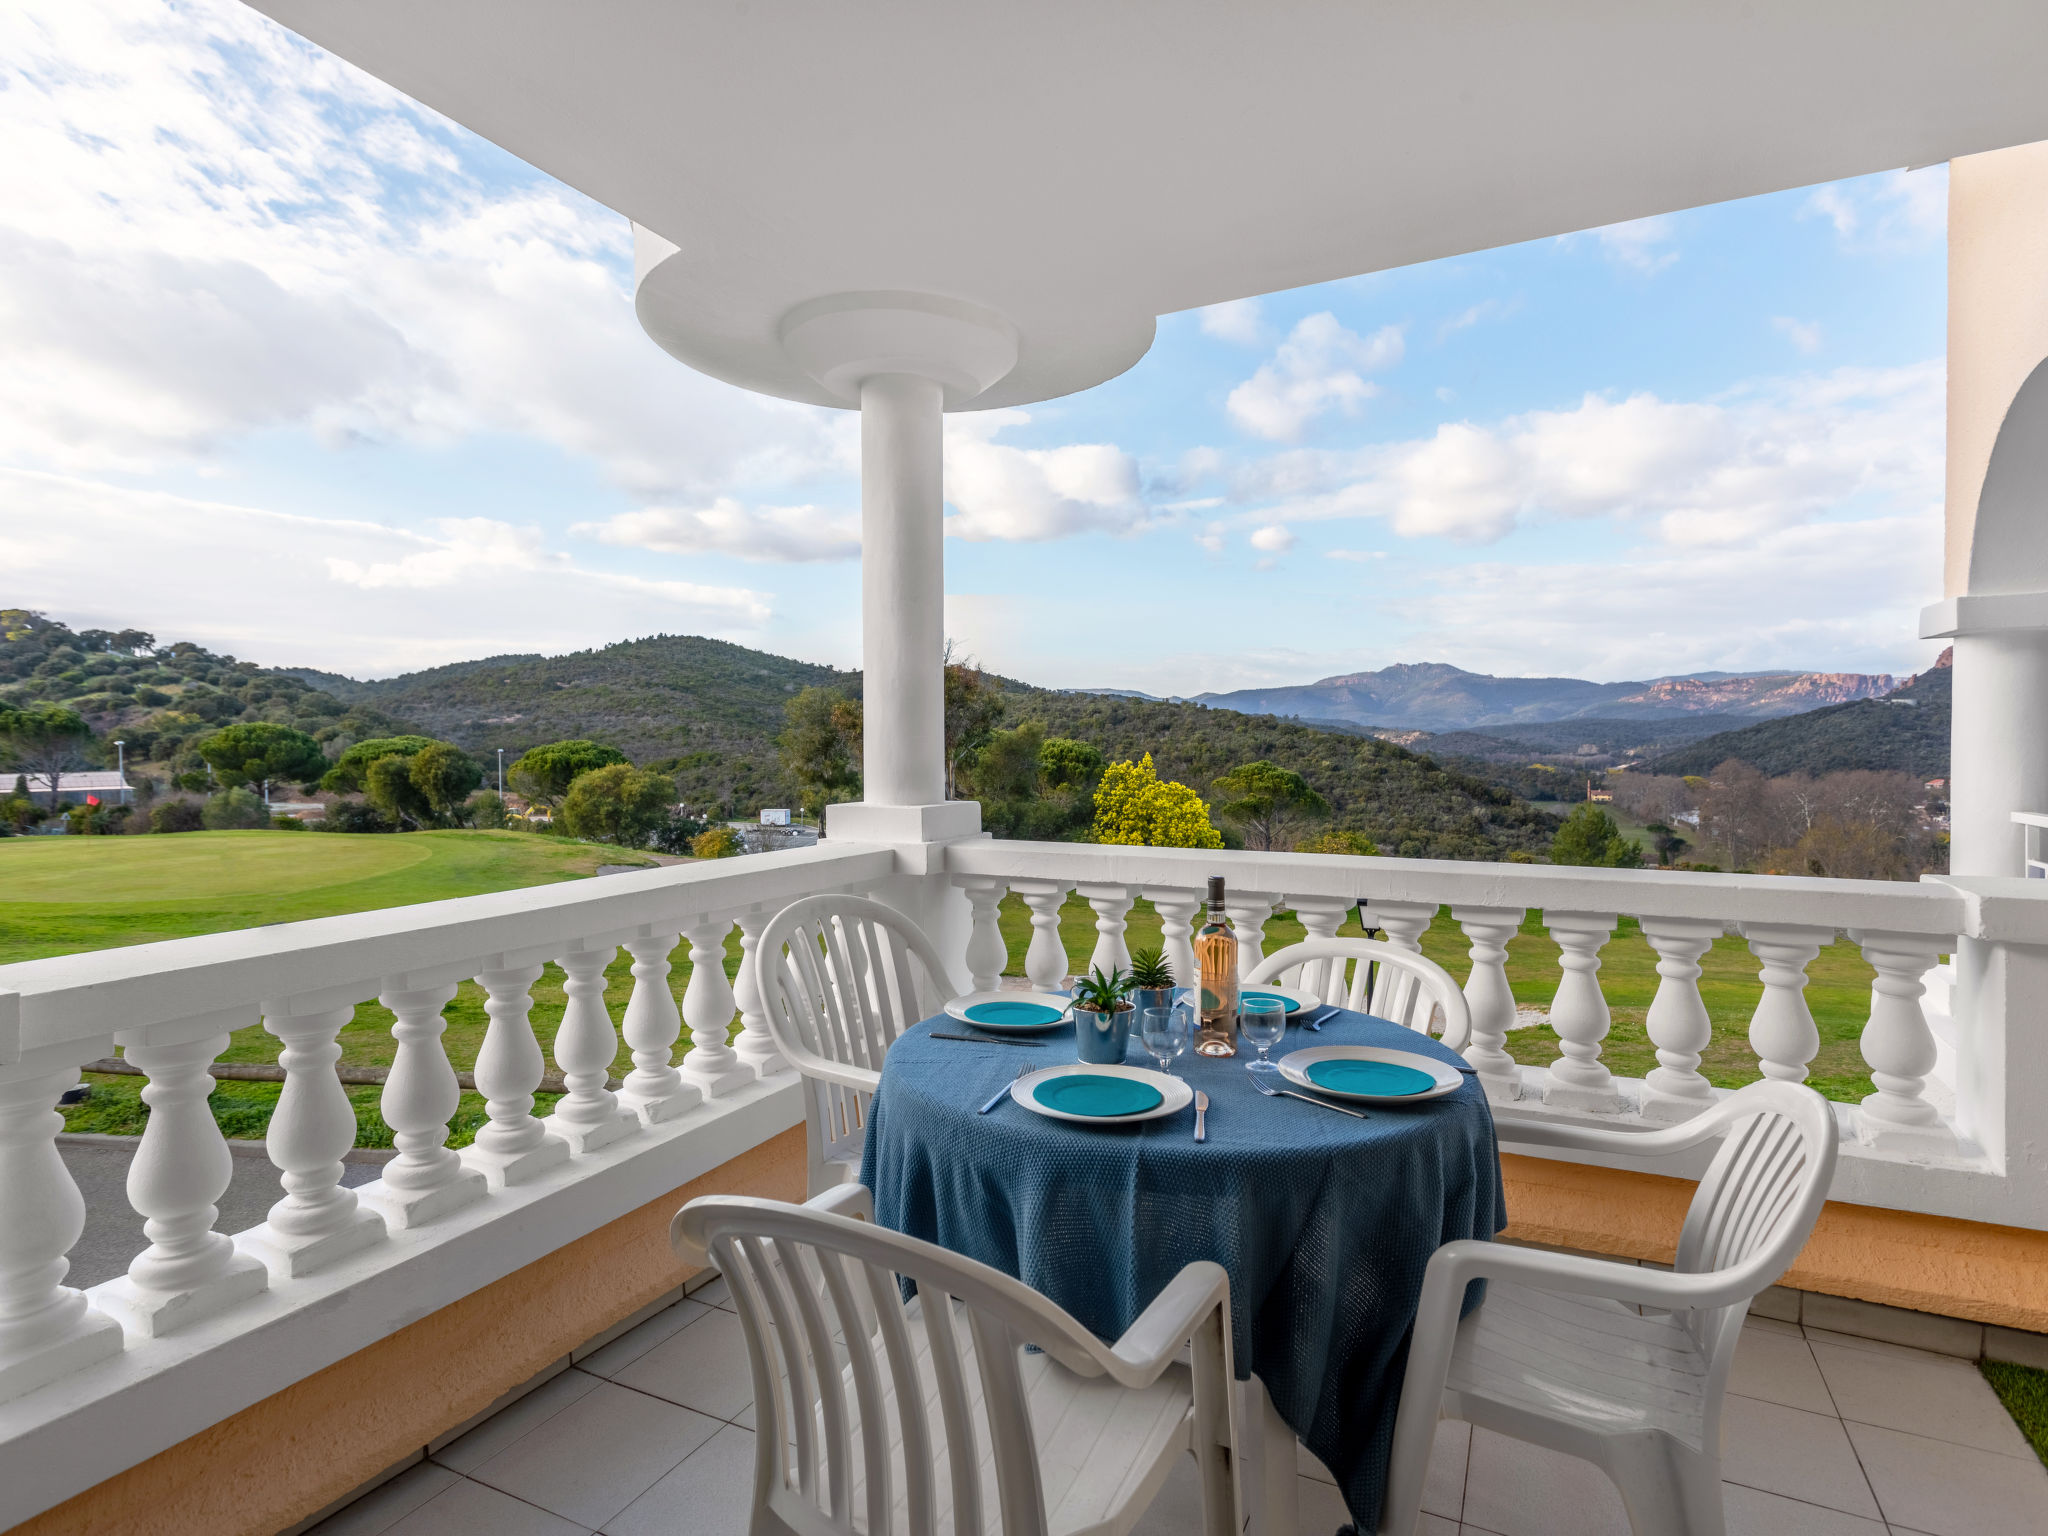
(1325,1223)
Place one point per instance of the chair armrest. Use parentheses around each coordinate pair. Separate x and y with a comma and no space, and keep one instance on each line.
(855,1200)
(1585,1138)
(1154,1341)
(809,1064)
(1456,1265)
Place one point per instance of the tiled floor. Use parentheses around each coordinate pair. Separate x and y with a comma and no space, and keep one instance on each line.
(1827,1435)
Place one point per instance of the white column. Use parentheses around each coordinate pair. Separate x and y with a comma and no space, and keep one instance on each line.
(47,1328)
(1579,1079)
(903,610)
(755,1046)
(1045,962)
(1248,912)
(1678,1022)
(987,955)
(1492,1001)
(189,1271)
(1112,904)
(318,1220)
(427,1179)
(1899,1046)
(590,1116)
(1781,1031)
(654,1090)
(1321,917)
(513,1146)
(708,1006)
(1998,760)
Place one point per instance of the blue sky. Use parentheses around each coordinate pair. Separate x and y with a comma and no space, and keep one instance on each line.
(302,371)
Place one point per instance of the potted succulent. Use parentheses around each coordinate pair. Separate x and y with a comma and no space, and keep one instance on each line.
(1102,1016)
(1151,980)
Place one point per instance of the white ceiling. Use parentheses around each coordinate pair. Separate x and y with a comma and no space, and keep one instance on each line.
(1081,166)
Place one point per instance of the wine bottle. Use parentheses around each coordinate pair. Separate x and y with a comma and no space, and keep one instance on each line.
(1216,958)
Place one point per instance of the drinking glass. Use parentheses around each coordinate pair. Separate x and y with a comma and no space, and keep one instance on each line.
(1167,1033)
(1262,1021)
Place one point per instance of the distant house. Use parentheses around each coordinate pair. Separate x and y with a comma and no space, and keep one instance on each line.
(1937,786)
(1600,796)
(77,788)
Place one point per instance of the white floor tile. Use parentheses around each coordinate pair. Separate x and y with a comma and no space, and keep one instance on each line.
(628,1347)
(704,1366)
(1306,1464)
(598,1454)
(1178,1509)
(1868,1346)
(1935,1396)
(1946,1489)
(1516,1489)
(1776,1365)
(745,1417)
(1752,1512)
(471,1509)
(716,1294)
(1322,1511)
(1443,1487)
(710,1494)
(1436,1525)
(375,1513)
(501,1429)
(1788,1451)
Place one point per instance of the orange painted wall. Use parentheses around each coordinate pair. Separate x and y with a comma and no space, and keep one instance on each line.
(280,1460)
(1901,1259)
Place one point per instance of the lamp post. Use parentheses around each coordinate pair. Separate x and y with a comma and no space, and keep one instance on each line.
(121,768)
(501,773)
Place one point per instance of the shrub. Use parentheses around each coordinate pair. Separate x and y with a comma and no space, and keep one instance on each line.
(286,824)
(675,835)
(356,816)
(486,810)
(617,804)
(1590,837)
(717,843)
(176,816)
(1133,806)
(234,810)
(1339,842)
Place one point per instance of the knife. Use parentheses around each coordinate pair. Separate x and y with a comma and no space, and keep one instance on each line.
(1201,1114)
(939,1034)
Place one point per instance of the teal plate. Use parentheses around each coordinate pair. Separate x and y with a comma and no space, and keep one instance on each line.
(1093,1093)
(1013,1015)
(1291,1004)
(1384,1078)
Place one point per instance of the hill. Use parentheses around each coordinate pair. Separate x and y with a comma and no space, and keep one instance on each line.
(1907,731)
(1437,697)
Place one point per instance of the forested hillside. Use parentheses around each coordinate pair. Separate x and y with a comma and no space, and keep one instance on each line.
(1905,732)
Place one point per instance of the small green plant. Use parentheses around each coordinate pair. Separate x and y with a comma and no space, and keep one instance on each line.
(1103,994)
(1149,970)
(2024,1391)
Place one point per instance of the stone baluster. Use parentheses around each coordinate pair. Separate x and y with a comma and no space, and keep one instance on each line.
(1248,912)
(1579,1079)
(513,1146)
(427,1179)
(189,1272)
(1678,1022)
(1177,911)
(1781,1031)
(1404,923)
(987,955)
(590,1116)
(711,1063)
(1112,904)
(1492,1001)
(47,1328)
(755,1046)
(313,1128)
(1899,1046)
(1045,962)
(654,1089)
(1321,917)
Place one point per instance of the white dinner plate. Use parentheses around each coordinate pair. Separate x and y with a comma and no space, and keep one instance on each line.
(1300,1004)
(1175,1094)
(1295,1064)
(1021,1000)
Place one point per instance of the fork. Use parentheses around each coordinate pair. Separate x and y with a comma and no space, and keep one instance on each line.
(1288,1093)
(1003,1092)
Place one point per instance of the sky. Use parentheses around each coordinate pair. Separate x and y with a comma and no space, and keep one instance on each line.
(295,368)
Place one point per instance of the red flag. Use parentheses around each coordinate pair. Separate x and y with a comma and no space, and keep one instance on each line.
(92,799)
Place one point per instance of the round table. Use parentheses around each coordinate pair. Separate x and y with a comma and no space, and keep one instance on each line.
(1325,1223)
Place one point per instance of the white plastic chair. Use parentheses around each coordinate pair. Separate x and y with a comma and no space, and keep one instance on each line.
(1559,1355)
(841,977)
(1409,989)
(1072,1440)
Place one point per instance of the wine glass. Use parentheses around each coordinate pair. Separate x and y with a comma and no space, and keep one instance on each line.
(1167,1033)
(1262,1021)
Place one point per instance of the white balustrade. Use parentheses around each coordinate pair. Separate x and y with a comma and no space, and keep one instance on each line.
(711,1064)
(312,1129)
(755,1046)
(1177,909)
(513,1146)
(1899,1046)
(1580,1079)
(188,1272)
(589,1116)
(47,1328)
(427,1179)
(1404,923)
(1678,1023)
(654,1089)
(1321,917)
(1248,912)
(1781,1031)
(1045,962)
(987,955)
(1112,906)
(1492,1001)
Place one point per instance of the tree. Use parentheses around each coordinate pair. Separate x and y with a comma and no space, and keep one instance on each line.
(973,706)
(716,843)
(1265,799)
(234,809)
(47,740)
(259,751)
(486,810)
(815,748)
(617,804)
(445,776)
(1589,836)
(544,774)
(389,787)
(351,771)
(1133,806)
(1356,843)
(1006,767)
(1069,764)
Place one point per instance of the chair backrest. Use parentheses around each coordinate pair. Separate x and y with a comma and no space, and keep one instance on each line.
(840,978)
(1408,989)
(938,1397)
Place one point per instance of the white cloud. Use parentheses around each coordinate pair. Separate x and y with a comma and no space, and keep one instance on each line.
(1273,539)
(1803,334)
(1211,538)
(1003,492)
(1316,368)
(466,546)
(1360,555)
(728,528)
(1237,320)
(1893,211)
(1641,245)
